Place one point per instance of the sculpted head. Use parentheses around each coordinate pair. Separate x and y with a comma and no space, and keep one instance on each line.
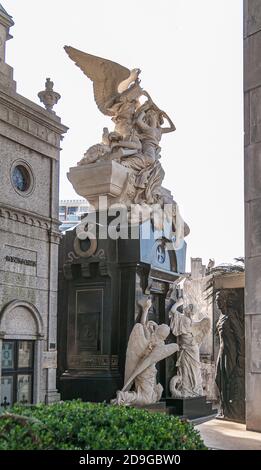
(163,331)
(151,118)
(221,301)
(188,311)
(226,298)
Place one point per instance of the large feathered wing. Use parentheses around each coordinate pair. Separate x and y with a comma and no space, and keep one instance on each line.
(105,75)
(200,328)
(137,345)
(157,354)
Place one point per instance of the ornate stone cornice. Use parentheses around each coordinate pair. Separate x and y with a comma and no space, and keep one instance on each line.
(30,218)
(30,125)
(32,111)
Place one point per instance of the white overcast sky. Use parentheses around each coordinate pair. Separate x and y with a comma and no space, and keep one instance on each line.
(190,53)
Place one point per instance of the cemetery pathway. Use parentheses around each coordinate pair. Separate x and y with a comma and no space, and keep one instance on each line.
(228,435)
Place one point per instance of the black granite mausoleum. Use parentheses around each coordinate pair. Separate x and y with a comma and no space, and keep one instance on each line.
(99,287)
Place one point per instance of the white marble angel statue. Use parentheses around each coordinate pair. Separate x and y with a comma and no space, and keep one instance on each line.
(134,142)
(116,88)
(190,334)
(146,347)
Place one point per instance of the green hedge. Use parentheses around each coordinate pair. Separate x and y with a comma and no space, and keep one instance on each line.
(92,426)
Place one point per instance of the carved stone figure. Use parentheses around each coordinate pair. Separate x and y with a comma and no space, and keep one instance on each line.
(134,143)
(190,334)
(230,372)
(146,347)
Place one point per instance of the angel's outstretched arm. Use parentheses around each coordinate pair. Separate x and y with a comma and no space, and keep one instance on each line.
(144,316)
(172,127)
(174,308)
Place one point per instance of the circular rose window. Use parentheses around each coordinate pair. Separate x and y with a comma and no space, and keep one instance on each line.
(22,178)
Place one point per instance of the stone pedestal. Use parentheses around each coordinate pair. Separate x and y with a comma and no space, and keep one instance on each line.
(52,397)
(159,407)
(99,179)
(190,408)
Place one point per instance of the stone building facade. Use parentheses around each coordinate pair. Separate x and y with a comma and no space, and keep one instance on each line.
(252,88)
(29,237)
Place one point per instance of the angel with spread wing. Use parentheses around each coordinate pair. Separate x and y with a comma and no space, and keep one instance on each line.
(146,347)
(190,334)
(116,88)
(134,143)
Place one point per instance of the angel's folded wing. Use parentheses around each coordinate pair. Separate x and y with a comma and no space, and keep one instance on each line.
(137,345)
(105,75)
(200,328)
(156,355)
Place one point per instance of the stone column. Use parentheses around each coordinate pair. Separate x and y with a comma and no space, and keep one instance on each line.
(252,89)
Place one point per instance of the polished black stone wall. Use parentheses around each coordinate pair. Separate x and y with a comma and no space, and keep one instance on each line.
(97,309)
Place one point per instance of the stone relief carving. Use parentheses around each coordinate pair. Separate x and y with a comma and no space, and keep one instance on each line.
(146,347)
(134,142)
(190,334)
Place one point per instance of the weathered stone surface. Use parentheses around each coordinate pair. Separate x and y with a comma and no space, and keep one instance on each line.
(253,408)
(252,80)
(253,285)
(230,281)
(30,137)
(252,172)
(253,375)
(19,322)
(245,15)
(13,154)
(253,16)
(50,359)
(256,344)
(252,61)
(254,227)
(246,119)
(255,115)
(248,245)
